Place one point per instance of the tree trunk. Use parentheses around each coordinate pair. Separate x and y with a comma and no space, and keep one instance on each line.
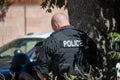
(86,15)
(89,16)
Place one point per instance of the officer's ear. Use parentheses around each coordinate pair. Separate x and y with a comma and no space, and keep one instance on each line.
(56,26)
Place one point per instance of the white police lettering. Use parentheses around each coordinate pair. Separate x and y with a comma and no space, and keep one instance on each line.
(72,43)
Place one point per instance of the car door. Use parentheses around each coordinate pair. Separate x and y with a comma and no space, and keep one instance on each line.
(7,51)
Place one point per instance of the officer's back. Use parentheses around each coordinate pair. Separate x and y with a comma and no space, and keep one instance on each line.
(67,46)
(63,53)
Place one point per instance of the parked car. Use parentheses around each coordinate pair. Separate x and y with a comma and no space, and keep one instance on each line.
(26,45)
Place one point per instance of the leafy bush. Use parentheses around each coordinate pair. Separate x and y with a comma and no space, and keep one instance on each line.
(114,54)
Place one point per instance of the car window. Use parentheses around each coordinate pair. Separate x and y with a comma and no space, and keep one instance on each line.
(24,44)
(7,51)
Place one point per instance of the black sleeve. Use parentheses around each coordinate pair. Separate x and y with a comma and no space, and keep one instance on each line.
(28,68)
(44,58)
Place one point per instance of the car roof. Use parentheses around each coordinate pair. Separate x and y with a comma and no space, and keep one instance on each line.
(30,36)
(39,35)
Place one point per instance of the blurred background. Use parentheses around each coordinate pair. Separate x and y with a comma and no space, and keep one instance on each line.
(20,17)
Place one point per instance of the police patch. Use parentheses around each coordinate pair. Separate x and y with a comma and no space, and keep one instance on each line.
(71,43)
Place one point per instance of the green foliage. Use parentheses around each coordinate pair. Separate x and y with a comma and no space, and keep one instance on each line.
(50,4)
(114,55)
(115,36)
(4,6)
(60,3)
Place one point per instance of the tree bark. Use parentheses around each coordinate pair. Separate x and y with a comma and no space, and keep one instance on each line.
(86,15)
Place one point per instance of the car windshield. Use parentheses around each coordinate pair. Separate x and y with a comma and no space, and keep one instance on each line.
(7,51)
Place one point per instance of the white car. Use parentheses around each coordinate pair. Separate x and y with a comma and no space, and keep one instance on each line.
(24,43)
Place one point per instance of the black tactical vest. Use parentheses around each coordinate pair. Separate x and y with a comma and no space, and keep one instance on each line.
(70,47)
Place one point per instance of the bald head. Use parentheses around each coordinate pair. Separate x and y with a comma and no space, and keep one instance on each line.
(59,20)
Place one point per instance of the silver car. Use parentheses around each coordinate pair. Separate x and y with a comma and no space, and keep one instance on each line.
(24,43)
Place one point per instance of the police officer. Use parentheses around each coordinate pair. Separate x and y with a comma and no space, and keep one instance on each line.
(28,72)
(17,51)
(18,61)
(63,52)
